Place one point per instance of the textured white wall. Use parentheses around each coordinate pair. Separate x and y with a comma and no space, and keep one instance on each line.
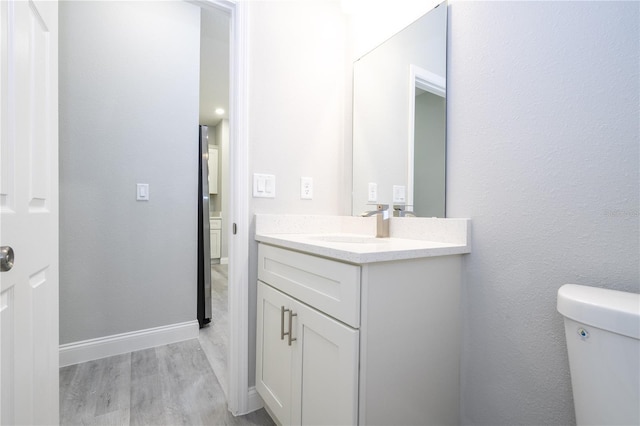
(296,108)
(297,76)
(543,153)
(128,114)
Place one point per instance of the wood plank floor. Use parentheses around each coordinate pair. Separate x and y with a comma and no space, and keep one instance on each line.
(214,338)
(167,385)
(175,384)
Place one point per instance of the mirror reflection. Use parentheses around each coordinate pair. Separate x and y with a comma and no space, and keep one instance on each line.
(399,121)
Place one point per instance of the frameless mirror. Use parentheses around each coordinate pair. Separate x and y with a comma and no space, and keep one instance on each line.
(399,120)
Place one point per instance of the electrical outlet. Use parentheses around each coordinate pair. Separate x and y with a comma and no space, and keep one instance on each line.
(372,195)
(306,188)
(399,194)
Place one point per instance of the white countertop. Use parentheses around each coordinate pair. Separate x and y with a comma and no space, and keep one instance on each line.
(413,237)
(383,250)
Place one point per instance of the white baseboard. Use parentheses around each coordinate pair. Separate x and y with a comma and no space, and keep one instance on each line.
(102,347)
(224,260)
(254,401)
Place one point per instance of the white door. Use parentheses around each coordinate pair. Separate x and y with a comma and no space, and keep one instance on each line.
(29,212)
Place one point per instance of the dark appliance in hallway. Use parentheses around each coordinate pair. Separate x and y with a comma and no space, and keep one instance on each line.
(204,251)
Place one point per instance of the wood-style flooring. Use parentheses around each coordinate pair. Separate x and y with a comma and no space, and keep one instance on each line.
(167,385)
(214,338)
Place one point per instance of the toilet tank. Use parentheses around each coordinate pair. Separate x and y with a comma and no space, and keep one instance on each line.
(602,328)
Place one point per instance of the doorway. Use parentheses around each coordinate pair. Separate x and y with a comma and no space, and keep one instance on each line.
(117,294)
(241,399)
(214,113)
(214,118)
(215,102)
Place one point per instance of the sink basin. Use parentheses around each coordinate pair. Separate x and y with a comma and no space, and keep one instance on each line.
(351,239)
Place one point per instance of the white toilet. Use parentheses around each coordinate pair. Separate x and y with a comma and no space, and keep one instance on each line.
(602,328)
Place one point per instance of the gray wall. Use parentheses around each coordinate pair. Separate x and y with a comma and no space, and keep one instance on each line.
(128,114)
(429,151)
(543,152)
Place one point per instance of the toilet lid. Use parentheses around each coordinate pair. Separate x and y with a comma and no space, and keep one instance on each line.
(611,310)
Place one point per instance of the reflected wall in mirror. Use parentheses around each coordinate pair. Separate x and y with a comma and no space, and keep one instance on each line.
(399,120)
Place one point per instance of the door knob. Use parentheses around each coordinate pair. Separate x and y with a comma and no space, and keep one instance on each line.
(6,258)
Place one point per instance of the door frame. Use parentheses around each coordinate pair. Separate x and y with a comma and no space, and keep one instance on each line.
(419,78)
(241,399)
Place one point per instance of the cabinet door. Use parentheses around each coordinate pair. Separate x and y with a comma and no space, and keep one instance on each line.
(274,357)
(325,382)
(215,243)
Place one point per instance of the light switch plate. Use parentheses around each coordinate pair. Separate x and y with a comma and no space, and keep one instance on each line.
(142,192)
(306,188)
(264,186)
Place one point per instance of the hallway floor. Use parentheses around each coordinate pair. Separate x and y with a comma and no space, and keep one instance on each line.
(214,338)
(167,385)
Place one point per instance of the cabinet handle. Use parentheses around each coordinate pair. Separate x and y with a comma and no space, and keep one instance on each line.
(282,311)
(291,315)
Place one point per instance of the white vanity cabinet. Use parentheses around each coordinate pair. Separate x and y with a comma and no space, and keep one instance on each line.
(372,344)
(307,361)
(313,378)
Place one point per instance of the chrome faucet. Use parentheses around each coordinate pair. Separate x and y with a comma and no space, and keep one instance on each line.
(400,210)
(382,221)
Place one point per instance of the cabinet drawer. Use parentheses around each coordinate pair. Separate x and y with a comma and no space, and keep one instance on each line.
(329,286)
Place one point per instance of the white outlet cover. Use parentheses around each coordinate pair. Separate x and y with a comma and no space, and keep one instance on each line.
(306,188)
(399,194)
(372,195)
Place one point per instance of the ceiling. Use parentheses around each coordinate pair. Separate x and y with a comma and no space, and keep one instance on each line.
(214,65)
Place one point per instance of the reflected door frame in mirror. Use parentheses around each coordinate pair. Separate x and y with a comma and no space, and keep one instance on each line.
(419,78)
